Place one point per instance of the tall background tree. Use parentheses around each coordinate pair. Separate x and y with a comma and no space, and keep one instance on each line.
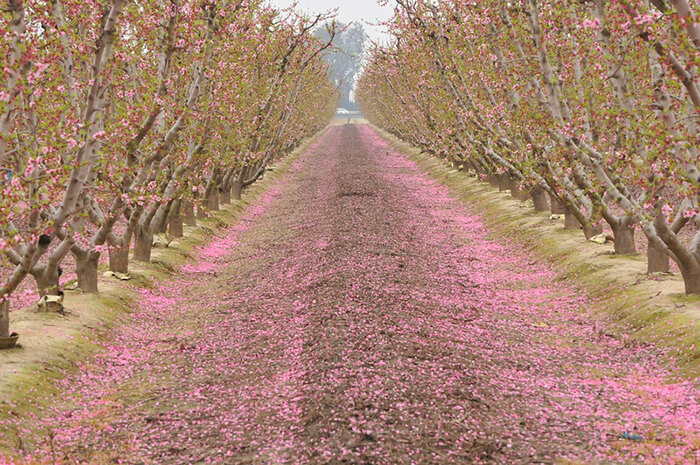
(345,59)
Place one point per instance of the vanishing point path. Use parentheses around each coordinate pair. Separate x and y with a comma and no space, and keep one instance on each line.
(359,314)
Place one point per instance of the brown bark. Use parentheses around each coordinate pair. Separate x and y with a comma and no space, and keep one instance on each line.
(47,280)
(225,196)
(624,239)
(571,223)
(657,260)
(4,318)
(87,272)
(162,228)
(691,278)
(213,200)
(590,230)
(176,227)
(504,182)
(557,208)
(518,193)
(188,214)
(202,212)
(539,198)
(143,244)
(119,259)
(236,190)
(492,179)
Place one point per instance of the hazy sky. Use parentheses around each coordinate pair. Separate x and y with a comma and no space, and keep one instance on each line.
(366,11)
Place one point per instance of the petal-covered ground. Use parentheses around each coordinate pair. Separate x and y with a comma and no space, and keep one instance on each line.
(359,314)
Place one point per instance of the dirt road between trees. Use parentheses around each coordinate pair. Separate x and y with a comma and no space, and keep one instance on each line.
(358,314)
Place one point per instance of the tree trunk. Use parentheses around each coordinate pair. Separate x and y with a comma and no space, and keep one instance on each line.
(47,281)
(176,227)
(691,278)
(492,179)
(213,200)
(557,207)
(119,258)
(539,198)
(143,244)
(624,239)
(236,190)
(87,272)
(504,182)
(518,193)
(590,230)
(202,212)
(225,196)
(571,223)
(657,260)
(4,318)
(162,227)
(188,214)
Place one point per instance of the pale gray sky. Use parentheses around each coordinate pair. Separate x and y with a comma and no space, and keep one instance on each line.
(365,11)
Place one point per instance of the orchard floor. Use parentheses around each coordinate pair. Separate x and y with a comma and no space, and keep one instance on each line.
(358,314)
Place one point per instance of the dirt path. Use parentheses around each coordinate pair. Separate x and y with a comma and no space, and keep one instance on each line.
(358,314)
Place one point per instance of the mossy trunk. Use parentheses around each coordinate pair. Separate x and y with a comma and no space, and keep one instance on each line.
(624,239)
(657,260)
(188,214)
(143,244)
(87,272)
(539,199)
(4,318)
(119,258)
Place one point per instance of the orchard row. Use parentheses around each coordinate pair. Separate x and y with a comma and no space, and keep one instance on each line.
(594,104)
(119,118)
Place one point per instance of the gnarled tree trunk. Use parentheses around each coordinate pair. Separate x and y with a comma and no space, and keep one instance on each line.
(176,227)
(213,200)
(188,214)
(691,278)
(202,211)
(236,189)
(143,244)
(4,318)
(162,227)
(225,195)
(119,258)
(539,198)
(590,230)
(657,260)
(624,238)
(492,179)
(47,279)
(87,271)
(557,208)
(504,182)
(570,221)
